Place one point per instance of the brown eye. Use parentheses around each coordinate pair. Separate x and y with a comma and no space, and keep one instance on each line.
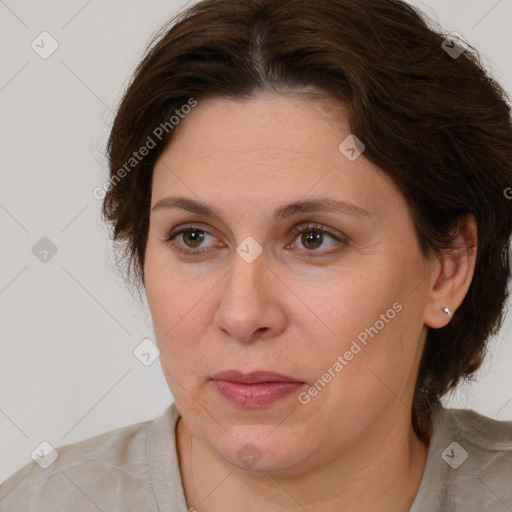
(313,236)
(312,239)
(193,238)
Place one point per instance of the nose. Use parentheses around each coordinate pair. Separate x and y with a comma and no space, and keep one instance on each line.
(252,303)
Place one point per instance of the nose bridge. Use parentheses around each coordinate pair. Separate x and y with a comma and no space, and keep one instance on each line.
(248,273)
(245,302)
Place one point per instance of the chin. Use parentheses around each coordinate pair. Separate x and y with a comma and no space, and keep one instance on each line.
(255,449)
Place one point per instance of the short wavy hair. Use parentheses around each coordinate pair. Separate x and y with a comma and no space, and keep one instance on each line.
(434,121)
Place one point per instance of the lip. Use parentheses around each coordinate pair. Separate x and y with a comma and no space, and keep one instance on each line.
(255,377)
(254,390)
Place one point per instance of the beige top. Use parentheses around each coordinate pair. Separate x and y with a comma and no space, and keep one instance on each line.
(135,469)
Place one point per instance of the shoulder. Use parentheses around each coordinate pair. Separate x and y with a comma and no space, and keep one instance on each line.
(475,452)
(77,476)
(486,445)
(469,464)
(481,432)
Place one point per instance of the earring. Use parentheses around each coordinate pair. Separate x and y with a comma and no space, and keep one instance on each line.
(448,311)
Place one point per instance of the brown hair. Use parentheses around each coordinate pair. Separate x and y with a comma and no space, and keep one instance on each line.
(437,124)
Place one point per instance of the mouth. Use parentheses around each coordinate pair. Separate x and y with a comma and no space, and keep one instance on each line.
(255,390)
(256,377)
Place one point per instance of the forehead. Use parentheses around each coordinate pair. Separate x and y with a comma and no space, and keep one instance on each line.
(270,128)
(263,149)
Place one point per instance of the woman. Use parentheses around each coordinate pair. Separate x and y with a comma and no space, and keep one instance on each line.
(312,194)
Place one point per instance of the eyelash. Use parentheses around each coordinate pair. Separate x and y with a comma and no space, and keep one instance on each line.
(296,231)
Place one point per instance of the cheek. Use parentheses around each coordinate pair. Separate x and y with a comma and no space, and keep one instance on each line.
(326,313)
(365,344)
(169,293)
(181,311)
(349,303)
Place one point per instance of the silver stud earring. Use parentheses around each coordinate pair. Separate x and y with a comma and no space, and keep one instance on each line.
(448,311)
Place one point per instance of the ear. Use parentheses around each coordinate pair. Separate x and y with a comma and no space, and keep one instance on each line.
(454,276)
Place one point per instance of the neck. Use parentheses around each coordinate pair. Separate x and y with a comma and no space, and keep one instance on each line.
(379,475)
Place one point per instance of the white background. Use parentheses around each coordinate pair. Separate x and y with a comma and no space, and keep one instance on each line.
(68,327)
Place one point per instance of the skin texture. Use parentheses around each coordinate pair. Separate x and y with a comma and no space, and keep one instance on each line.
(352,445)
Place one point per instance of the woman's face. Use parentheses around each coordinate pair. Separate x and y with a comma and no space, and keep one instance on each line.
(338,308)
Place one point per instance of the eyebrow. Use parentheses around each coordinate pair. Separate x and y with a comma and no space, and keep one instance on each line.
(280,213)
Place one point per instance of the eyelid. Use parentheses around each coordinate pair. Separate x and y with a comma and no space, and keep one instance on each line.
(313,226)
(339,237)
(186,227)
(183,229)
(296,230)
